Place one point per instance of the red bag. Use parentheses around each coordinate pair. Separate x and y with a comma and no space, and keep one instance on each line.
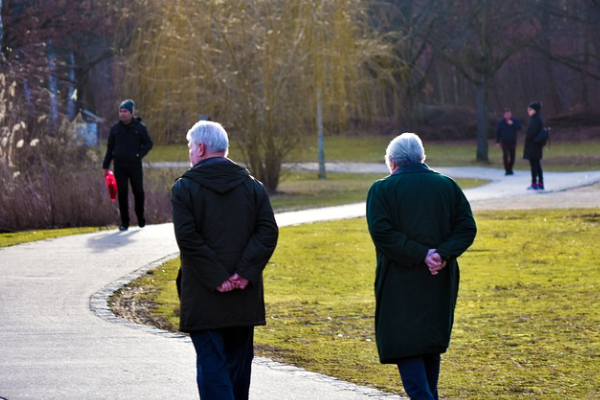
(111,184)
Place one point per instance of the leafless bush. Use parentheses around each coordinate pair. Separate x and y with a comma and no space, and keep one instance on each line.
(54,193)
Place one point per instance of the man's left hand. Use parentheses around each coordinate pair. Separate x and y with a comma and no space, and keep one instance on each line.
(434,261)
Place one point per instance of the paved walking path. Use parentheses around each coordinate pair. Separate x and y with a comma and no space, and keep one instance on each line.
(58,340)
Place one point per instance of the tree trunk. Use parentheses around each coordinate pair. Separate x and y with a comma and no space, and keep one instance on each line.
(482,122)
(52,83)
(550,83)
(71,105)
(322,172)
(593,12)
(1,34)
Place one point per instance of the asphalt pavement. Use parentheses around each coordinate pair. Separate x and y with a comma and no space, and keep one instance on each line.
(58,339)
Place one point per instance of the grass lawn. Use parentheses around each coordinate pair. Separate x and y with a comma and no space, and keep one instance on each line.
(560,156)
(301,190)
(14,238)
(527,320)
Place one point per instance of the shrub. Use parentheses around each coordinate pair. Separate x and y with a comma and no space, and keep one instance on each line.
(49,178)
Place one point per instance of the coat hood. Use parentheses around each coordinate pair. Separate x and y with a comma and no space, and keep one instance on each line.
(218,174)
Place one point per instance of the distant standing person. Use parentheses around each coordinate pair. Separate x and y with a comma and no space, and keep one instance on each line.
(226,233)
(420,222)
(533,150)
(128,143)
(506,137)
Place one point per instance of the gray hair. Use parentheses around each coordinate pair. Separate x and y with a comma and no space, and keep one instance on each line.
(211,134)
(405,149)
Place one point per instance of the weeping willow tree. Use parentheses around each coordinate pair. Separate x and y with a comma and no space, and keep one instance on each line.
(256,67)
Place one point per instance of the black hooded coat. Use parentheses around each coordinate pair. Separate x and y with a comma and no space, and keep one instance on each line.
(532,149)
(224,224)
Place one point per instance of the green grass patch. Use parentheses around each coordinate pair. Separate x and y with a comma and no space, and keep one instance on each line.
(14,238)
(302,190)
(527,320)
(168,152)
(560,156)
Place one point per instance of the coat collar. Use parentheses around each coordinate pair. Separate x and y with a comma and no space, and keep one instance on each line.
(412,167)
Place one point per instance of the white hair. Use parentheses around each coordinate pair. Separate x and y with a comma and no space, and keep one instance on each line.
(405,149)
(211,134)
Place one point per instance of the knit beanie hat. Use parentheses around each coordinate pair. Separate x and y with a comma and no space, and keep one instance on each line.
(536,105)
(128,105)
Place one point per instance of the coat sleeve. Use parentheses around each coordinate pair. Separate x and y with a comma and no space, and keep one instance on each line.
(498,129)
(463,230)
(517,125)
(110,147)
(262,244)
(146,142)
(394,244)
(535,126)
(196,255)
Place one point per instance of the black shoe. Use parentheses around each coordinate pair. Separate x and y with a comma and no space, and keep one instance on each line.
(509,173)
(142,223)
(123,228)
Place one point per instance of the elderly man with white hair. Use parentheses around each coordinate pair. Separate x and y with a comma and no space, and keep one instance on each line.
(420,223)
(226,233)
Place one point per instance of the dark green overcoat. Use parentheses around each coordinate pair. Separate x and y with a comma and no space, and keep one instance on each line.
(409,212)
(224,224)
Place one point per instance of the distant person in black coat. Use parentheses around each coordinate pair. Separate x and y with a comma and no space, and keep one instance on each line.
(534,151)
(128,143)
(506,137)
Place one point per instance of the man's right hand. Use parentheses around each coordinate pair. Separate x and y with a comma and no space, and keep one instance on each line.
(239,281)
(434,261)
(105,172)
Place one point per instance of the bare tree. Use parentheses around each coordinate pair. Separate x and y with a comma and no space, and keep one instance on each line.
(40,36)
(256,67)
(477,37)
(568,40)
(409,26)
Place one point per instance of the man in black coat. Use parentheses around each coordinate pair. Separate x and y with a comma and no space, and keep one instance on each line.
(226,233)
(128,143)
(506,136)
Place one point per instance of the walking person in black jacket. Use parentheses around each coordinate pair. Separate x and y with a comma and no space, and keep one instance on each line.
(128,143)
(226,233)
(534,150)
(506,136)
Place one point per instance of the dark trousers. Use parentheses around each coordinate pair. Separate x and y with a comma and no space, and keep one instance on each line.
(224,362)
(508,155)
(537,174)
(134,175)
(420,376)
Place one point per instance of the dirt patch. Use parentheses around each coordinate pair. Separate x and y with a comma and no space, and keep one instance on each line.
(126,303)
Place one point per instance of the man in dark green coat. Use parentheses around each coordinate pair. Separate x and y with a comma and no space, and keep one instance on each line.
(420,222)
(226,233)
